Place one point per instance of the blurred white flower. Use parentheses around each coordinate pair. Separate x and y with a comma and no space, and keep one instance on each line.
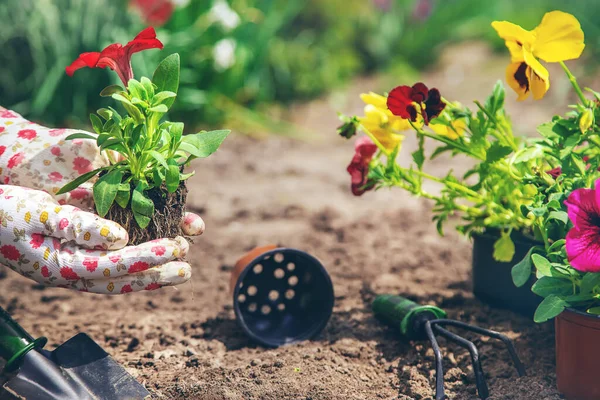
(224,54)
(223,14)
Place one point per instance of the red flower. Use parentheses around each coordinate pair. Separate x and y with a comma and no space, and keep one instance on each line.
(138,266)
(69,274)
(154,12)
(57,132)
(27,134)
(359,166)
(400,102)
(10,252)
(36,240)
(7,114)
(158,250)
(15,160)
(63,223)
(55,151)
(116,56)
(6,180)
(153,286)
(2,150)
(90,263)
(115,258)
(45,272)
(82,165)
(79,193)
(55,176)
(555,172)
(126,289)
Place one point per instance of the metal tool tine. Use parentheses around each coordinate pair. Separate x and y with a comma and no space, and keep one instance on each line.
(439,368)
(482,387)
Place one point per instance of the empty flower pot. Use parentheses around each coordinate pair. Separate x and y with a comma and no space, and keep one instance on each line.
(492,279)
(578,355)
(280,295)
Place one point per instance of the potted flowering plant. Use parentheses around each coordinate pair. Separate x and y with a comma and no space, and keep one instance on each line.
(143,186)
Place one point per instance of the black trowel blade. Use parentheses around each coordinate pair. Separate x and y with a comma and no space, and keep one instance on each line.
(78,369)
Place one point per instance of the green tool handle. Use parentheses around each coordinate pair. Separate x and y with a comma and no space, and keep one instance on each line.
(403,313)
(15,342)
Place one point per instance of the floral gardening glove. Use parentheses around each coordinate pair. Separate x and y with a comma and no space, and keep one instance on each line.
(39,158)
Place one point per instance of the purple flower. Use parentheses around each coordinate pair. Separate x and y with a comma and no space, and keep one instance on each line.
(583,240)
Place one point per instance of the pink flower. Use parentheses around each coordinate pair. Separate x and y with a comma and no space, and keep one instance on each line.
(28,134)
(63,223)
(69,274)
(583,240)
(55,176)
(45,272)
(8,114)
(56,243)
(90,263)
(158,250)
(359,166)
(36,240)
(55,150)
(154,12)
(15,160)
(6,180)
(153,286)
(82,165)
(10,252)
(2,149)
(126,289)
(115,258)
(57,132)
(116,56)
(138,266)
(79,193)
(2,129)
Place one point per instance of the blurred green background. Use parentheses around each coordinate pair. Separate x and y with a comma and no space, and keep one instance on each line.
(241,58)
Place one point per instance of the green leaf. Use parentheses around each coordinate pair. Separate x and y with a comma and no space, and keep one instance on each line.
(549,308)
(542,265)
(547,130)
(142,206)
(162,96)
(522,270)
(110,90)
(158,157)
(110,142)
(104,113)
(105,190)
(159,108)
(497,152)
(166,76)
(136,90)
(419,158)
(589,281)
(172,178)
(75,183)
(203,144)
(594,310)
(96,123)
(148,86)
(80,135)
(529,153)
(504,248)
(547,285)
(559,216)
(123,195)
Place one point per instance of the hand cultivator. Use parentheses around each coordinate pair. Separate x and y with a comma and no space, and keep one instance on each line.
(77,369)
(417,322)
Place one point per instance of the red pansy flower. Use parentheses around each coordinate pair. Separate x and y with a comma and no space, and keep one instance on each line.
(154,12)
(401,101)
(554,172)
(116,56)
(359,166)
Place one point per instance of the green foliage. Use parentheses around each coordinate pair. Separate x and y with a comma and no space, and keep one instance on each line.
(145,152)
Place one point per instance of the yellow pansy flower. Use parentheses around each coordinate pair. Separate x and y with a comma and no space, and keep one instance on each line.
(380,121)
(454,131)
(557,38)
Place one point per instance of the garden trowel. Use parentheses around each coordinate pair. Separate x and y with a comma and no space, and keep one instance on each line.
(77,369)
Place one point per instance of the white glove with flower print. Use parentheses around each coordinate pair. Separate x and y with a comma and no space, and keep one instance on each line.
(48,239)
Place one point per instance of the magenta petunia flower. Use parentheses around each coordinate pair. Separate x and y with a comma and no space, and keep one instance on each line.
(583,240)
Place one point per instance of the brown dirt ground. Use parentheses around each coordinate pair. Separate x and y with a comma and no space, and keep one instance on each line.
(183,343)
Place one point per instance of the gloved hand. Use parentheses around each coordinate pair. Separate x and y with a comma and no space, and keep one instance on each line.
(36,157)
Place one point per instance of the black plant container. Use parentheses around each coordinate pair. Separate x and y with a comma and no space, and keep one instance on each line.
(492,280)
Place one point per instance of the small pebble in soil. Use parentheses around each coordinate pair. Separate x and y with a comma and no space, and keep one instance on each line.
(255,362)
(133,344)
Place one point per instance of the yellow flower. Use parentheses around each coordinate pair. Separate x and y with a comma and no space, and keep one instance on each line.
(380,121)
(44,217)
(557,38)
(454,131)
(586,120)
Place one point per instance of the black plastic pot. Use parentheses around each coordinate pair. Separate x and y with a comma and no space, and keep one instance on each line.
(492,280)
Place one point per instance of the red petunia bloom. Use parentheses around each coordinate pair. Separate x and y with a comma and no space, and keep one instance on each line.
(359,166)
(401,101)
(154,12)
(116,56)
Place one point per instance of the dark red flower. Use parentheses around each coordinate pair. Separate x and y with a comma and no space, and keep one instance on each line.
(138,266)
(359,166)
(45,272)
(154,12)
(126,289)
(116,56)
(36,240)
(555,172)
(10,252)
(69,274)
(401,101)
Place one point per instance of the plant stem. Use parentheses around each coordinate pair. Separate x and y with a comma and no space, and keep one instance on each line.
(574,83)
(374,139)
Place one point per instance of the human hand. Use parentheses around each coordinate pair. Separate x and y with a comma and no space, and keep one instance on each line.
(61,245)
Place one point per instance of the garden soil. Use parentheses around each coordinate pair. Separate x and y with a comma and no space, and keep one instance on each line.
(184,342)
